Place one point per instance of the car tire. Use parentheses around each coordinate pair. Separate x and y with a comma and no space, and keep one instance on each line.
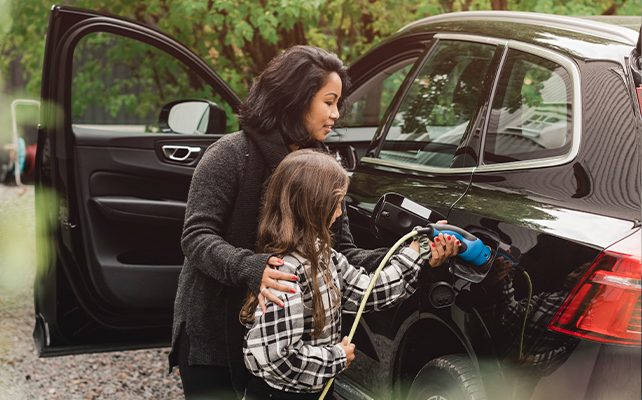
(452,377)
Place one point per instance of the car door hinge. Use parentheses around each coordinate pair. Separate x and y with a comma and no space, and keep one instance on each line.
(63,218)
(66,224)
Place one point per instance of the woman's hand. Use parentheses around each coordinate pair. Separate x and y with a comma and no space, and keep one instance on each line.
(269,280)
(443,247)
(349,350)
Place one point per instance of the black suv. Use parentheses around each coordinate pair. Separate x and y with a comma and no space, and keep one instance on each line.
(521,128)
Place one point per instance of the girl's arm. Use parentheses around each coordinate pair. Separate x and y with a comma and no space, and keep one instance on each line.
(274,350)
(397,280)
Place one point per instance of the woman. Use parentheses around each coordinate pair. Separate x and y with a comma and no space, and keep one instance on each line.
(293,104)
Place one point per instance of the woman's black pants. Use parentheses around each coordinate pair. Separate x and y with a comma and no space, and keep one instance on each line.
(203,382)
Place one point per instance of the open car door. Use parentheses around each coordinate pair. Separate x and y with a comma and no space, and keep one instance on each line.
(112,181)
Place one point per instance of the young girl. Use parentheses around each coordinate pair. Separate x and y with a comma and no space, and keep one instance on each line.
(293,350)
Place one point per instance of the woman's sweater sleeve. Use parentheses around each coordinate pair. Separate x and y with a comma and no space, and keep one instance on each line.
(397,280)
(368,259)
(210,204)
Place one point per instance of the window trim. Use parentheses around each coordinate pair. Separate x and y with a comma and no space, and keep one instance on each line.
(576,112)
(64,53)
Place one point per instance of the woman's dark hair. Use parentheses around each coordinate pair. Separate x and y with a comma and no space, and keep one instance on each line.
(300,200)
(283,93)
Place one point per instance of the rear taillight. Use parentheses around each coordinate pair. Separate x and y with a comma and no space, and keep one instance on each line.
(605,304)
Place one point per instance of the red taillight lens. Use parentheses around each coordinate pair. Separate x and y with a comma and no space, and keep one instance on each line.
(605,304)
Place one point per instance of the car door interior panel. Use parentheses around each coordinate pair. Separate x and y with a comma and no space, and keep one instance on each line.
(134,206)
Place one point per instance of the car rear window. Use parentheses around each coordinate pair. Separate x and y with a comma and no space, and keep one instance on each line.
(435,113)
(531,115)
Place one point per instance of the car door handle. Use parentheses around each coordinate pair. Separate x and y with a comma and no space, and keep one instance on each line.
(180,153)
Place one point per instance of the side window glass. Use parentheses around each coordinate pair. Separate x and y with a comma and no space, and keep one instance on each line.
(433,117)
(377,95)
(121,84)
(531,114)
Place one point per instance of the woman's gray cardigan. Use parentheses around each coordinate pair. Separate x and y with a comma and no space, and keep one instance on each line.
(219,239)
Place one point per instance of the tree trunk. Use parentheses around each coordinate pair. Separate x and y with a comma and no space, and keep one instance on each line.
(499,4)
(611,10)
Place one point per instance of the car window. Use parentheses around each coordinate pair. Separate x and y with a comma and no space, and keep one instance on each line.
(531,114)
(121,84)
(374,97)
(435,113)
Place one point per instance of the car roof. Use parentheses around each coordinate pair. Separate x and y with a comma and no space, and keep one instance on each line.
(617,29)
(586,37)
(625,21)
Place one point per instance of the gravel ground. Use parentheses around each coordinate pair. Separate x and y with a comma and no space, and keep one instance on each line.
(119,375)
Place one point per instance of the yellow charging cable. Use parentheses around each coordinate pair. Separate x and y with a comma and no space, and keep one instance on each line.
(373,280)
(528,306)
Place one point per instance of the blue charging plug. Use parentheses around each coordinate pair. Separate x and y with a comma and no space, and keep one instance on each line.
(472,248)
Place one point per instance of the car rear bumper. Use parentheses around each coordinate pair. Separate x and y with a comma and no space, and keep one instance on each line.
(594,372)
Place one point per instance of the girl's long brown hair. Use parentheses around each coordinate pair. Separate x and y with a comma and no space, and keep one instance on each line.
(302,195)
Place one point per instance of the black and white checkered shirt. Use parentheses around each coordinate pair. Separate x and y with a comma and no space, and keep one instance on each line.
(279,346)
(547,349)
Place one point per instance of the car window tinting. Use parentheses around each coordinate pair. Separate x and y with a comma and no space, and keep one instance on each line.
(120,84)
(434,115)
(369,109)
(531,115)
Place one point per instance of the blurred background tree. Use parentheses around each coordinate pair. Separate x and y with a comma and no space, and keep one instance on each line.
(238,37)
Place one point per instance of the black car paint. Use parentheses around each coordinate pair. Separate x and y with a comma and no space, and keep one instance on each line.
(608,203)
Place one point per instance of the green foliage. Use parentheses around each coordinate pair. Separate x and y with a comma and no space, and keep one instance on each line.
(447,89)
(238,37)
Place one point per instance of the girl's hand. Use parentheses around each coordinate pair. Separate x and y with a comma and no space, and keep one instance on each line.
(500,269)
(349,350)
(269,280)
(415,246)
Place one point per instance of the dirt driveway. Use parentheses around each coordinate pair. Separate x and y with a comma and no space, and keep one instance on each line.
(119,375)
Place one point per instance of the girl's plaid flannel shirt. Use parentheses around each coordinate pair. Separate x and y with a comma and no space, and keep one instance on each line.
(279,346)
